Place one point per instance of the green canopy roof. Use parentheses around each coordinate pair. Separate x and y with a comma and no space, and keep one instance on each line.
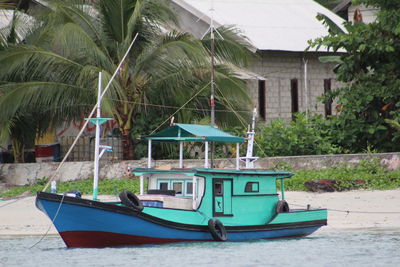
(193,132)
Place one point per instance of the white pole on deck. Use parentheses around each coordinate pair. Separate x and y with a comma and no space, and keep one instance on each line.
(149,154)
(250,144)
(206,155)
(141,185)
(237,156)
(194,204)
(97,142)
(180,154)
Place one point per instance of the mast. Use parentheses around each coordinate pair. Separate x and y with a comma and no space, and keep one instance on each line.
(212,102)
(98,121)
(97,142)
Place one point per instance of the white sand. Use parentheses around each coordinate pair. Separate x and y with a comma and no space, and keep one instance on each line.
(367,209)
(23,218)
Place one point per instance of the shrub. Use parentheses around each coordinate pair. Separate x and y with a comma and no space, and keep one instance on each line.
(299,137)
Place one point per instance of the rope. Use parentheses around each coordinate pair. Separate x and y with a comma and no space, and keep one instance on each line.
(180,108)
(174,107)
(12,202)
(241,119)
(355,211)
(52,223)
(90,115)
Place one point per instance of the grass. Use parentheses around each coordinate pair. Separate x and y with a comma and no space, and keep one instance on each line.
(369,171)
(375,177)
(106,187)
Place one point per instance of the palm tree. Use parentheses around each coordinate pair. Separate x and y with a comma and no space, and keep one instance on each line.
(54,72)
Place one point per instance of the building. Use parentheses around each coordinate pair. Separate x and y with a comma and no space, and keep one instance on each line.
(288,78)
(346,10)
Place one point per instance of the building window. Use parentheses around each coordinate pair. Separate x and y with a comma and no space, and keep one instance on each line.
(261,99)
(328,105)
(252,187)
(294,90)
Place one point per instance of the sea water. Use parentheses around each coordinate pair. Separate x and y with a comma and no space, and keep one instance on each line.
(324,248)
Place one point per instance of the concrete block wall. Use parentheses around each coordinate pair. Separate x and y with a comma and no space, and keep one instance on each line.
(279,68)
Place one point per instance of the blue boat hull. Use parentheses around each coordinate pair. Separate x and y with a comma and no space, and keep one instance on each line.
(87,223)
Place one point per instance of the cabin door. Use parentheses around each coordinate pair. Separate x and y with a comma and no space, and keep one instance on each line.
(222,195)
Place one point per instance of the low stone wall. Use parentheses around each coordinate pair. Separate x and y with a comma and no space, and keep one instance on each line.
(28,173)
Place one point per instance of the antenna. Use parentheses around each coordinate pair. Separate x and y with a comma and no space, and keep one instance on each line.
(212,32)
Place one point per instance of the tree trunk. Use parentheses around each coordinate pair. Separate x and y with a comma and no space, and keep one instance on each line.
(127,145)
(18,151)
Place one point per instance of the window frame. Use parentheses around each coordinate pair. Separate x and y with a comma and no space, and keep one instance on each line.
(251,190)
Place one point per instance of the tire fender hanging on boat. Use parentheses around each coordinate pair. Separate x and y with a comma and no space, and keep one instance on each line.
(217,230)
(130,200)
(282,206)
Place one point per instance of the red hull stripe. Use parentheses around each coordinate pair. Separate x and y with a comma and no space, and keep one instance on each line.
(98,239)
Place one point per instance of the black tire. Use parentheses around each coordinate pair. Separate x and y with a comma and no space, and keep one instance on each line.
(130,200)
(282,206)
(217,230)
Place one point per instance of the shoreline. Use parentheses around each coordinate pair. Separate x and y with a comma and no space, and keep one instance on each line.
(368,210)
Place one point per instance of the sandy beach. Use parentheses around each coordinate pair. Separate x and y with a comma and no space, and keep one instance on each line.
(367,209)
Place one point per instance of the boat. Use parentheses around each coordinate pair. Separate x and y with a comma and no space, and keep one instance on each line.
(184,204)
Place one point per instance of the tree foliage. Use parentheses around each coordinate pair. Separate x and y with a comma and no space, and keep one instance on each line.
(370,72)
(53,73)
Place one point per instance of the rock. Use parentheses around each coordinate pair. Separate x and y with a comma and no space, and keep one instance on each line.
(325,185)
(322,185)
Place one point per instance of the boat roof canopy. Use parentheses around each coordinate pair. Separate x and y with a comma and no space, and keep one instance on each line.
(193,133)
(201,171)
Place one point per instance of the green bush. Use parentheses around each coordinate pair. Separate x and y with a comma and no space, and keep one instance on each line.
(299,137)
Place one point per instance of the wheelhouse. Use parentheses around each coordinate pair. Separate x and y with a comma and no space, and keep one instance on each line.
(247,196)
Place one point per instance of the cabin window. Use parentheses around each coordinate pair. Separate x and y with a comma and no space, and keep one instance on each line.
(218,189)
(177,187)
(189,188)
(163,186)
(252,187)
(181,187)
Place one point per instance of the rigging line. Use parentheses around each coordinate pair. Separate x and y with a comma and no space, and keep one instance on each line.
(242,120)
(355,211)
(13,201)
(173,107)
(180,107)
(91,114)
(52,223)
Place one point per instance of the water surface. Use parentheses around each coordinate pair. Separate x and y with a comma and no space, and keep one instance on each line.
(324,248)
